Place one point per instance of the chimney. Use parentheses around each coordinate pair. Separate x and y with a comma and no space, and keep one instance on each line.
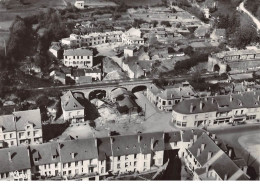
(9,156)
(213,136)
(209,155)
(152,143)
(139,138)
(206,98)
(207,171)
(195,137)
(216,142)
(112,140)
(225,177)
(258,98)
(230,153)
(96,142)
(212,100)
(198,152)
(14,118)
(230,98)
(191,107)
(202,147)
(245,169)
(201,105)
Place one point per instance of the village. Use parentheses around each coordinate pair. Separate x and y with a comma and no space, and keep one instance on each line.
(150,93)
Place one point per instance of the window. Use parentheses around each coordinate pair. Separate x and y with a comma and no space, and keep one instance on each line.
(126,157)
(54,156)
(135,156)
(76,163)
(118,158)
(36,159)
(11,135)
(184,117)
(12,143)
(28,133)
(102,170)
(64,165)
(163,103)
(145,156)
(118,166)
(196,116)
(126,165)
(135,164)
(184,124)
(56,165)
(69,164)
(145,164)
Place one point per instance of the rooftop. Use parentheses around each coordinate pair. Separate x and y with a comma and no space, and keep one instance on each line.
(69,102)
(78,52)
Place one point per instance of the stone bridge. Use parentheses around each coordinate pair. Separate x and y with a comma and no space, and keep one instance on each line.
(104,91)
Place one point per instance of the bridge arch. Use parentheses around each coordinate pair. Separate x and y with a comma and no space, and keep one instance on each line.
(216,68)
(117,88)
(97,93)
(139,88)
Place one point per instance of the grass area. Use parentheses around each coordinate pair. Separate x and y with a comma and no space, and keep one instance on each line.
(226,7)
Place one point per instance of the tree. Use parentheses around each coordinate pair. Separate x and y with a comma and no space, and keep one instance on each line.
(21,40)
(166,23)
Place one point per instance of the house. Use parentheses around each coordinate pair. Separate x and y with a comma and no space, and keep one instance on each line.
(202,31)
(94,73)
(66,159)
(217,110)
(79,4)
(30,68)
(56,50)
(21,128)
(125,101)
(218,35)
(166,98)
(208,162)
(132,36)
(58,76)
(72,109)
(80,58)
(136,68)
(15,164)
(72,41)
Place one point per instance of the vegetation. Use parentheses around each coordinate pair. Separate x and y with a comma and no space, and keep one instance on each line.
(254,7)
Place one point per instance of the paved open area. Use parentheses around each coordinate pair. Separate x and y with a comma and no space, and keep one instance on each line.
(240,138)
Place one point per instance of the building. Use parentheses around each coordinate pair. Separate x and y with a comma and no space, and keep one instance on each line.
(56,50)
(166,98)
(218,35)
(238,61)
(21,128)
(79,4)
(132,36)
(98,158)
(91,39)
(81,58)
(207,161)
(217,110)
(72,109)
(15,164)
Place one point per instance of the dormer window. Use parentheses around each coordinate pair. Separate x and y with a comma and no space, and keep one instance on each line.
(54,156)
(127,147)
(36,159)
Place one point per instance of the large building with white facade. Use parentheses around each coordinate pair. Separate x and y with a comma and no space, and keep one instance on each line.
(217,110)
(21,128)
(98,158)
(80,58)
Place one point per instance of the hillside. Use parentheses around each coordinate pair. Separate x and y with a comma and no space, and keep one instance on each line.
(254,7)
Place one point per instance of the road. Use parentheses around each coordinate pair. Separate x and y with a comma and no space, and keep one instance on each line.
(231,136)
(255,20)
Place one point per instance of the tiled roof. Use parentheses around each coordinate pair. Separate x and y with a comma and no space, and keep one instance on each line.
(46,153)
(177,93)
(20,119)
(239,52)
(172,137)
(69,102)
(84,149)
(78,52)
(188,135)
(219,103)
(154,89)
(19,159)
(140,143)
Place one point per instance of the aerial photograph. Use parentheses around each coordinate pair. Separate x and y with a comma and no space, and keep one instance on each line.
(129,90)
